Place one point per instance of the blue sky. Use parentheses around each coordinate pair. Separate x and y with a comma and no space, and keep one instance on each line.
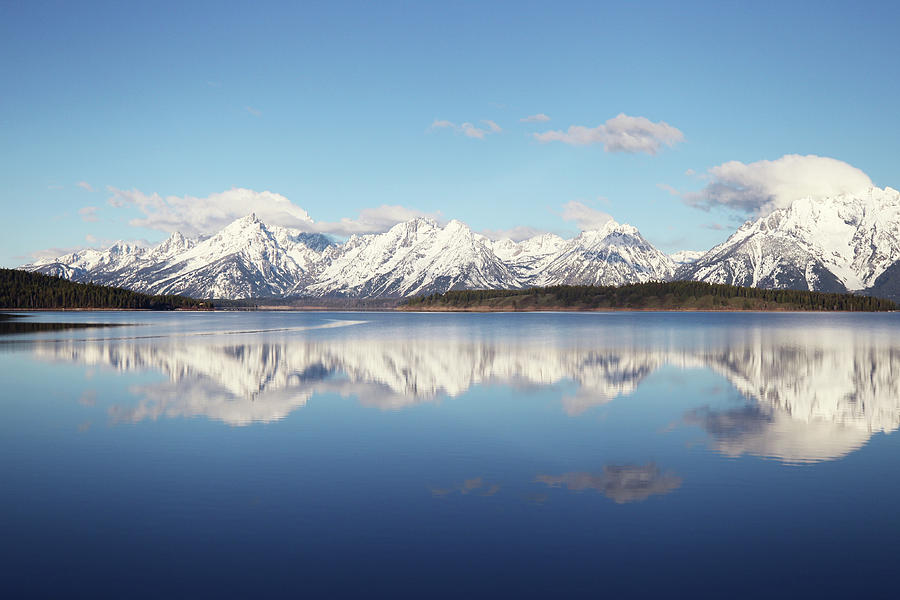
(119,120)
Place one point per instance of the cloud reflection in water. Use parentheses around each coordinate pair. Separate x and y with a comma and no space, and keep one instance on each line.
(620,483)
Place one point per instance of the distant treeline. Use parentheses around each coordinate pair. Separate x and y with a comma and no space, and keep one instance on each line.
(26,290)
(302,302)
(672,295)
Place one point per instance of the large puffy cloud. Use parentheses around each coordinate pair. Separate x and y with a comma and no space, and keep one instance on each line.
(766,185)
(193,216)
(622,133)
(585,217)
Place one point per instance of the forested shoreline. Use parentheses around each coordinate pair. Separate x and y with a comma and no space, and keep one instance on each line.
(25,290)
(672,295)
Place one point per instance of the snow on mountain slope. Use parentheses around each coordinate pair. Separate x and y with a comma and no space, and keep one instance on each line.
(245,259)
(415,257)
(93,265)
(834,244)
(250,259)
(685,257)
(529,257)
(847,242)
(614,255)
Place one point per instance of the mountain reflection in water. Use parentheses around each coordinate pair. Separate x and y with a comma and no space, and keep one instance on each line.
(809,396)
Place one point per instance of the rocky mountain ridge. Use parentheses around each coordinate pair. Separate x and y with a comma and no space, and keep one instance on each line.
(849,242)
(249,259)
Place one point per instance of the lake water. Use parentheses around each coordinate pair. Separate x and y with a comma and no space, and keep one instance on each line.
(451,455)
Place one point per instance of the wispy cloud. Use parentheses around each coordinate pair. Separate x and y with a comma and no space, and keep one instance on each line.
(89,213)
(91,241)
(53,252)
(370,220)
(468,129)
(760,187)
(253,111)
(538,118)
(516,234)
(668,188)
(585,217)
(622,133)
(85,186)
(492,126)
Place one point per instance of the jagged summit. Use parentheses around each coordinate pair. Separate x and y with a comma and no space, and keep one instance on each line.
(612,255)
(839,243)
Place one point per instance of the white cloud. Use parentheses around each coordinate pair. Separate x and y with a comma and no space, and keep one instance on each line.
(668,188)
(713,226)
(440,124)
(471,131)
(619,134)
(516,234)
(370,220)
(468,129)
(620,483)
(766,185)
(85,186)
(91,241)
(585,217)
(89,213)
(538,118)
(192,216)
(253,111)
(51,252)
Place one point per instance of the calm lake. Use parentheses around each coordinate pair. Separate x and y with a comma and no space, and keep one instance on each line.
(465,455)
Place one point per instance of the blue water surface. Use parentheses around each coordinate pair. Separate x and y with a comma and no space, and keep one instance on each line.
(287,454)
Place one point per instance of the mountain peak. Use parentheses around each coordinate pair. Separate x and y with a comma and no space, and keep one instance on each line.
(250,221)
(414,224)
(608,228)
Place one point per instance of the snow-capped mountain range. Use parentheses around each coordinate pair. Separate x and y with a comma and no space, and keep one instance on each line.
(849,242)
(249,259)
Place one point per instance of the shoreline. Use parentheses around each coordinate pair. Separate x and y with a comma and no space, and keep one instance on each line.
(474,309)
(636,310)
